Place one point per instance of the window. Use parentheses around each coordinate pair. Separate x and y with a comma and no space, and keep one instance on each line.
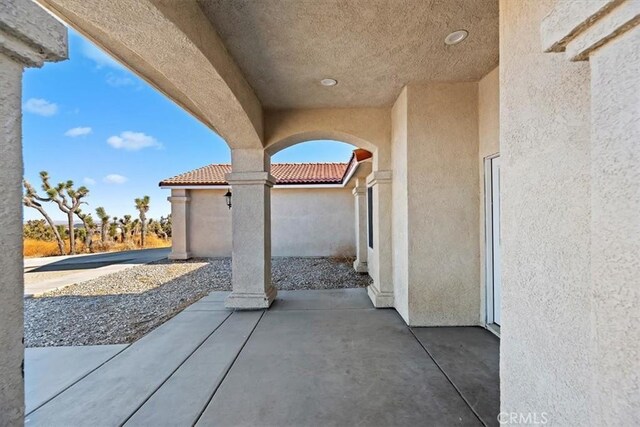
(370,215)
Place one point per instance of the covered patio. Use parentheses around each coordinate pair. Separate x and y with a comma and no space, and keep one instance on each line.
(314,358)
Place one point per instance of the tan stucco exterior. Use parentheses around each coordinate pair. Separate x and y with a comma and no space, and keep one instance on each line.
(305,222)
(400,209)
(546,209)
(442,186)
(615,228)
(367,128)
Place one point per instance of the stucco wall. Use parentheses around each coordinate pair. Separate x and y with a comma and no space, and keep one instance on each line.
(545,174)
(400,207)
(28,38)
(615,226)
(209,224)
(11,286)
(442,184)
(304,222)
(367,128)
(436,204)
(488,145)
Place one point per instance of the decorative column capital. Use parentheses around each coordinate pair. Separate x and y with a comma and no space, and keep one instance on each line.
(359,191)
(379,177)
(579,28)
(250,178)
(29,35)
(179,199)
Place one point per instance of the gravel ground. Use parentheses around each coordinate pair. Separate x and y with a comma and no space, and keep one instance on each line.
(121,307)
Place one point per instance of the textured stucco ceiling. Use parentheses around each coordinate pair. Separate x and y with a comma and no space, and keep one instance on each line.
(372,47)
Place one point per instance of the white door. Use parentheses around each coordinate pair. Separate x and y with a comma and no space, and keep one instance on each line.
(495,237)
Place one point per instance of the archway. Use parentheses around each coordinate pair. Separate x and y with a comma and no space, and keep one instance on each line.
(318,215)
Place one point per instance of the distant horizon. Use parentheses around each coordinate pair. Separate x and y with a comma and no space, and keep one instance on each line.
(91,120)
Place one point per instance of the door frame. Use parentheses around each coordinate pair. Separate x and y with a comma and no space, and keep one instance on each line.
(488,245)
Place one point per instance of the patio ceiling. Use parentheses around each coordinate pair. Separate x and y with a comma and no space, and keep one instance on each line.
(371,47)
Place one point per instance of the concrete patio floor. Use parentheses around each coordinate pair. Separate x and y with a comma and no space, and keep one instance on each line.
(315,358)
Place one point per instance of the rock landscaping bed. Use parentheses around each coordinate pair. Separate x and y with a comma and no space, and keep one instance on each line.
(122,307)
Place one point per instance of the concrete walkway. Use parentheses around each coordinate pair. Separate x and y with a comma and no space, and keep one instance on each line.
(315,358)
(90,266)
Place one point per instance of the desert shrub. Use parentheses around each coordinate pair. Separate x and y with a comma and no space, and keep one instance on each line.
(38,230)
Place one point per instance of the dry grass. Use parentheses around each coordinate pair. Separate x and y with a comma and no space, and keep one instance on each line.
(40,248)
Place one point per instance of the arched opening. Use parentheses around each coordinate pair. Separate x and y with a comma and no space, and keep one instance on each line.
(95,126)
(314,136)
(315,214)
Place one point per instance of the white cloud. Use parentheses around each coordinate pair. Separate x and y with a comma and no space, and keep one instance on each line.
(79,131)
(114,178)
(39,106)
(119,81)
(101,59)
(133,141)
(89,181)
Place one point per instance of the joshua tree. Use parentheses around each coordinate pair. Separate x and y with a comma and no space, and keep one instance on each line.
(68,200)
(135,229)
(89,227)
(104,223)
(142,205)
(155,227)
(126,226)
(113,229)
(32,199)
(165,223)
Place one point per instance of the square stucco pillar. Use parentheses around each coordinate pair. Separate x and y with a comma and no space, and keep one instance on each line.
(610,42)
(380,256)
(360,196)
(251,231)
(28,37)
(180,200)
(436,155)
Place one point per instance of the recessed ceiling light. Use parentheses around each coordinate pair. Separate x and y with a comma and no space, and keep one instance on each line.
(328,82)
(456,37)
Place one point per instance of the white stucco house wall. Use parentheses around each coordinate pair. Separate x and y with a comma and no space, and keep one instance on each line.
(313,208)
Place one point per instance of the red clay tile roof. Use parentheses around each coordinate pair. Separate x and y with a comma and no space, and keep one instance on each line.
(284,173)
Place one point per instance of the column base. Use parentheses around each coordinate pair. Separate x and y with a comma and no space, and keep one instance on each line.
(378,298)
(251,301)
(360,267)
(179,255)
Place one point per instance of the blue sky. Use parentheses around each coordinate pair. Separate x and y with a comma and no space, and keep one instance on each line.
(91,120)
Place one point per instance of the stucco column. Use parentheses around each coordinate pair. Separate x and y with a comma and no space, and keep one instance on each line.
(611,43)
(545,200)
(28,37)
(180,200)
(251,184)
(380,256)
(360,197)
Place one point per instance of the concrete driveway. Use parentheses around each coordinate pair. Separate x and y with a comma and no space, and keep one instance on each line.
(49,273)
